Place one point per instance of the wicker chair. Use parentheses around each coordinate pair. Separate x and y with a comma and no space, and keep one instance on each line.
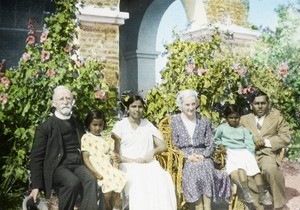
(173,161)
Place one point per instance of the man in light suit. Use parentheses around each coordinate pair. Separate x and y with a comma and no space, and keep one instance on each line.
(271,134)
(56,161)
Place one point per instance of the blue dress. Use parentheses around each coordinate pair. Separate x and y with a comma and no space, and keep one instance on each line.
(199,178)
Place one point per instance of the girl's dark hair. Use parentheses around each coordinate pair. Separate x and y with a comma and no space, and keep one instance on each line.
(126,102)
(230,109)
(94,114)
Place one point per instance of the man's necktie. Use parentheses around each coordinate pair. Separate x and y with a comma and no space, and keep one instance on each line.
(258,126)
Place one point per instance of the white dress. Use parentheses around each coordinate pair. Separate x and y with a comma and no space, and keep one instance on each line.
(149,186)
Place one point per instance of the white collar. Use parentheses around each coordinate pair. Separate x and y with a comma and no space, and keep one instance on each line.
(62,117)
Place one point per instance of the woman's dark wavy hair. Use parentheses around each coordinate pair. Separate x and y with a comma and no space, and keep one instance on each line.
(94,114)
(131,99)
(230,109)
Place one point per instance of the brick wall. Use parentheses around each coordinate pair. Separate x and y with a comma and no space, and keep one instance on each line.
(101,42)
(222,11)
(102,3)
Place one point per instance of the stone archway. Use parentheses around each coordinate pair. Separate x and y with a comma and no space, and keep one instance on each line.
(138,43)
(138,34)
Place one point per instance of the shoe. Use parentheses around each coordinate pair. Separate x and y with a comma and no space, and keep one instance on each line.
(265,200)
(248,197)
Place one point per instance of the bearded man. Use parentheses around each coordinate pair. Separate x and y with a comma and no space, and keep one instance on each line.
(56,161)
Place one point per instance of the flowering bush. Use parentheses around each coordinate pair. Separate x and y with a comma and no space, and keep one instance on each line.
(226,79)
(26,91)
(280,51)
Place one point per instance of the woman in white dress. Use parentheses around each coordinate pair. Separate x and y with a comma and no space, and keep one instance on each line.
(149,186)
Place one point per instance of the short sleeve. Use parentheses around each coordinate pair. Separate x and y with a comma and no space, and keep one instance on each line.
(85,143)
(155,132)
(117,129)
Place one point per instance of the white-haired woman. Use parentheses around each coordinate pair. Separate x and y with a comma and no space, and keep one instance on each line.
(193,135)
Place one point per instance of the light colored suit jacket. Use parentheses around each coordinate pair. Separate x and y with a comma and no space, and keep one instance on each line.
(274,128)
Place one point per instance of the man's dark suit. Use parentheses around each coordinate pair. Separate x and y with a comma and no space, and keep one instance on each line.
(48,152)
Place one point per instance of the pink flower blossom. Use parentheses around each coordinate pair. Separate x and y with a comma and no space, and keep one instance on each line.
(78,63)
(190,68)
(30,39)
(3,98)
(5,81)
(246,90)
(31,31)
(45,55)
(43,37)
(26,56)
(283,69)
(239,69)
(50,72)
(100,94)
(201,72)
(68,48)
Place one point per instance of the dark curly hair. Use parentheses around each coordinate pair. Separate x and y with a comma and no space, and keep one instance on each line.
(230,109)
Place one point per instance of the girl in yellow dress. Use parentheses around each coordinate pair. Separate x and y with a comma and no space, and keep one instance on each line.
(98,155)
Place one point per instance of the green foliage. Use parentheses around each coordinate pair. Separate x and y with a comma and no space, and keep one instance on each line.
(200,66)
(279,50)
(219,78)
(26,92)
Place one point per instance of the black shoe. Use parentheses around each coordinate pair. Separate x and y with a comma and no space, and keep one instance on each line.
(248,197)
(265,200)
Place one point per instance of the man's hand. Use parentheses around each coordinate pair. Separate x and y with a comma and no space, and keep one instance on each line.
(34,193)
(259,144)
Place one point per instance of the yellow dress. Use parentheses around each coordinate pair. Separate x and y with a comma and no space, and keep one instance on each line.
(99,149)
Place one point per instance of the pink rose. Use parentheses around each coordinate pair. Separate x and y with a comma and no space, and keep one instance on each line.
(100,94)
(26,56)
(5,81)
(45,55)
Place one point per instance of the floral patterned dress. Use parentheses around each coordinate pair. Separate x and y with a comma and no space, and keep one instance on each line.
(199,178)
(99,149)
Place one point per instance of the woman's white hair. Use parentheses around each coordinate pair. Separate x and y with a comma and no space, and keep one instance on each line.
(183,94)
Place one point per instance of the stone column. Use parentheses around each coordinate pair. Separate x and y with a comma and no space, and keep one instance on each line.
(195,12)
